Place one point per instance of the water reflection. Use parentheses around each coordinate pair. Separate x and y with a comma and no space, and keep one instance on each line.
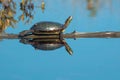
(92,5)
(47,44)
(27,7)
(43,6)
(8,9)
(7,12)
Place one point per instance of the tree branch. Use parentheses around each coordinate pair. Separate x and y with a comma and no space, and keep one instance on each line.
(9,36)
(106,34)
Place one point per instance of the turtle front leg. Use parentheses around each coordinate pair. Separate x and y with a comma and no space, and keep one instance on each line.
(24,33)
(67,22)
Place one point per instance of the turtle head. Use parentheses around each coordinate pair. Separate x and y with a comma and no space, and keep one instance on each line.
(69,19)
(67,47)
(67,22)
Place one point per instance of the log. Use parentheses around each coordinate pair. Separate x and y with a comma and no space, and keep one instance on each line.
(106,34)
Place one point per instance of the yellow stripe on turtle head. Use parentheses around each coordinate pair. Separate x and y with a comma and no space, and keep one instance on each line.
(67,22)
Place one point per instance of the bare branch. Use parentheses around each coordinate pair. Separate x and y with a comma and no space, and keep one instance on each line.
(106,34)
(9,36)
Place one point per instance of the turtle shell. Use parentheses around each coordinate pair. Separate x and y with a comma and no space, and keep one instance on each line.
(47,27)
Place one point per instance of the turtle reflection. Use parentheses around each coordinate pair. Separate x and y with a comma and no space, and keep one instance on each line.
(47,44)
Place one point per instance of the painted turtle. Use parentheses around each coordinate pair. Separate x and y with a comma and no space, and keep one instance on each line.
(46,35)
(47,44)
(47,28)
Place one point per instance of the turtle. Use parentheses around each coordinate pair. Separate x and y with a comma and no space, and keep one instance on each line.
(47,27)
(47,44)
(44,35)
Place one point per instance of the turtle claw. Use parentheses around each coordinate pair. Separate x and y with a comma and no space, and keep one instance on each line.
(67,22)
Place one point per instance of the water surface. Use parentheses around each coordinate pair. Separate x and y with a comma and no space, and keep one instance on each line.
(93,59)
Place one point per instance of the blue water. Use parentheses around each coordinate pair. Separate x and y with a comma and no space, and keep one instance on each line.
(93,59)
